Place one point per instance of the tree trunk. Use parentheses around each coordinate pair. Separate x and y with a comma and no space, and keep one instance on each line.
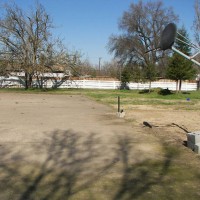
(176,86)
(198,84)
(40,82)
(149,86)
(180,84)
(26,80)
(30,80)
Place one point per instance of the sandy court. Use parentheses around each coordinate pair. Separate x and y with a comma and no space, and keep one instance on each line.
(32,123)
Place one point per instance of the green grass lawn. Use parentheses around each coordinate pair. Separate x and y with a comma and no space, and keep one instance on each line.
(101,94)
(183,100)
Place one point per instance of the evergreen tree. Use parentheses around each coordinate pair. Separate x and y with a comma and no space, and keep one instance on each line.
(126,76)
(180,68)
(132,72)
(150,74)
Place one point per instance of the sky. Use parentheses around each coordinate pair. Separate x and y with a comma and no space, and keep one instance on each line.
(86,25)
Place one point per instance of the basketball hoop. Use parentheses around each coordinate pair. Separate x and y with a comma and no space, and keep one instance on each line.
(167,39)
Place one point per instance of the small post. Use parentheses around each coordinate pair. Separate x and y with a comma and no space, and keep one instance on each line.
(118,104)
(120,112)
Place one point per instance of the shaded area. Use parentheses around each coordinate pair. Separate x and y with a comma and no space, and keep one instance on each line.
(67,169)
(145,91)
(137,179)
(76,167)
(153,179)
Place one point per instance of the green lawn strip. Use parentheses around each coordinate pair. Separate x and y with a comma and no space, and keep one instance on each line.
(184,100)
(99,93)
(181,101)
(128,97)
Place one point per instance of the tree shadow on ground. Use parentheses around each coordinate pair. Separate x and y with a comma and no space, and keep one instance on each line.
(67,169)
(145,91)
(139,178)
(74,164)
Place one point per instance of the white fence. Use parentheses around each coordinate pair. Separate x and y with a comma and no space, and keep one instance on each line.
(186,86)
(100,84)
(91,84)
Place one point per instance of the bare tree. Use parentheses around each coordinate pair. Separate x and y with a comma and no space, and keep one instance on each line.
(87,69)
(196,23)
(27,45)
(51,61)
(79,66)
(112,69)
(141,25)
(66,63)
(25,39)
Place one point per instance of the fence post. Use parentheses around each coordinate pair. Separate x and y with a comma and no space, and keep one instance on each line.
(99,86)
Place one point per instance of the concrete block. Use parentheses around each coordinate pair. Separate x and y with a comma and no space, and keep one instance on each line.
(197,148)
(190,145)
(194,137)
(121,114)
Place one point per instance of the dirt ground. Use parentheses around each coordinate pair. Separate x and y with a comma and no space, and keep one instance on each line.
(29,119)
(174,124)
(81,140)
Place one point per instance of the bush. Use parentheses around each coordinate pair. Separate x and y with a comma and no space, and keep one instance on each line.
(124,86)
(164,92)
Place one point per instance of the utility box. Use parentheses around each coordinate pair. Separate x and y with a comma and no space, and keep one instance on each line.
(197,148)
(193,141)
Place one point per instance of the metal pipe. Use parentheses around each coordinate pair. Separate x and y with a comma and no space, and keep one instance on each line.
(186,56)
(118,104)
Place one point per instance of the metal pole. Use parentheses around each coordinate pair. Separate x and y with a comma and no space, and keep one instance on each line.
(99,64)
(186,56)
(118,104)
(120,73)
